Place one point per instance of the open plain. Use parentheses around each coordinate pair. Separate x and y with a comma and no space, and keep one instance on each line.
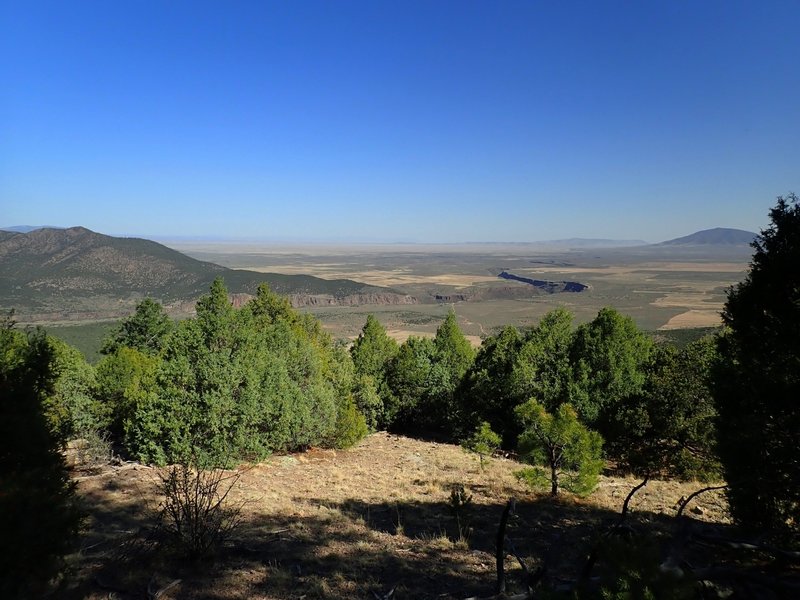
(661,287)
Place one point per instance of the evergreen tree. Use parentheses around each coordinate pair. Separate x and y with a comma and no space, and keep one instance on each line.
(373,349)
(609,358)
(239,384)
(38,515)
(542,369)
(758,380)
(670,428)
(372,353)
(487,388)
(558,441)
(145,330)
(453,356)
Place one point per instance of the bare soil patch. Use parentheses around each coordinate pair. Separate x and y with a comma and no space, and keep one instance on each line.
(401,335)
(354,523)
(695,318)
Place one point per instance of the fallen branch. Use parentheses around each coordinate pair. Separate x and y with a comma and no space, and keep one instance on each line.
(156,594)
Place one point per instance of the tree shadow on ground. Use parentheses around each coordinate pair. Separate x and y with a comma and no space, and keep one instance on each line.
(356,549)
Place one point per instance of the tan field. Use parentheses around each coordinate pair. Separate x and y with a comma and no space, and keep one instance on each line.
(660,287)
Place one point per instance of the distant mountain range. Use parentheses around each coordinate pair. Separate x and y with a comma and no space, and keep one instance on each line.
(28,228)
(593,243)
(719,236)
(52,274)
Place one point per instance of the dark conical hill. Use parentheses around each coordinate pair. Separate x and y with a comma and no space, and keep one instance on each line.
(719,236)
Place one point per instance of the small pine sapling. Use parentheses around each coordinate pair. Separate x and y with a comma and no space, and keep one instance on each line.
(483,442)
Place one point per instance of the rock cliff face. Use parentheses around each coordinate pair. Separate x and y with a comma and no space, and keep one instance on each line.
(301,300)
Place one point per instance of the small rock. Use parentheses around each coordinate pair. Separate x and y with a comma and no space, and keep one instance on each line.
(698,510)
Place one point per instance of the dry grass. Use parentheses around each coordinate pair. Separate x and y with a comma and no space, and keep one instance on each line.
(387,278)
(695,318)
(345,524)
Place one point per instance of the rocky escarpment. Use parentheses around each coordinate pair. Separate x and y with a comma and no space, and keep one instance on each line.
(388,298)
(551,287)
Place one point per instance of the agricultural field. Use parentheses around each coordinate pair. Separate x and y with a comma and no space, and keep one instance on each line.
(661,287)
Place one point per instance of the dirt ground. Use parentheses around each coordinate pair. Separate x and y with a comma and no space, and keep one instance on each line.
(356,523)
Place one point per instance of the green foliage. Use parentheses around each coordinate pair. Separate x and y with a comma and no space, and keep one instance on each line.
(86,337)
(486,389)
(560,442)
(409,378)
(372,353)
(122,377)
(670,428)
(350,426)
(73,409)
(610,357)
(453,350)
(38,515)
(758,380)
(542,368)
(368,401)
(373,349)
(423,380)
(483,442)
(239,384)
(145,330)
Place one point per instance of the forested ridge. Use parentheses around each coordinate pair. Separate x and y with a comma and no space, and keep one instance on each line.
(235,385)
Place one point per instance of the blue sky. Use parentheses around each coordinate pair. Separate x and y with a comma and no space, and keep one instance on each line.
(387,121)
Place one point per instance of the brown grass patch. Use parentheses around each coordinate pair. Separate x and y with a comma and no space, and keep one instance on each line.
(347,524)
(401,335)
(695,318)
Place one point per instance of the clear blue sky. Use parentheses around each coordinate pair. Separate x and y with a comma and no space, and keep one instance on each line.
(418,121)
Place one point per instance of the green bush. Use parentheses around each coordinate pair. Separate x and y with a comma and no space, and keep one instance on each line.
(483,442)
(561,443)
(240,384)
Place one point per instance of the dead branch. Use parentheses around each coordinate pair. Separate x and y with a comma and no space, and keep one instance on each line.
(694,495)
(500,555)
(788,555)
(156,594)
(592,558)
(387,596)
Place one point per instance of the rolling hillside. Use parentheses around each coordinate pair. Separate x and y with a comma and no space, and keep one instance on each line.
(74,274)
(719,236)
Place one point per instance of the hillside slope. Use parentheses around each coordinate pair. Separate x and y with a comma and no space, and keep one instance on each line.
(719,236)
(355,523)
(75,273)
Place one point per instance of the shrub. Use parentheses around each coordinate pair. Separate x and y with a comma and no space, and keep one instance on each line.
(560,442)
(195,514)
(483,442)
